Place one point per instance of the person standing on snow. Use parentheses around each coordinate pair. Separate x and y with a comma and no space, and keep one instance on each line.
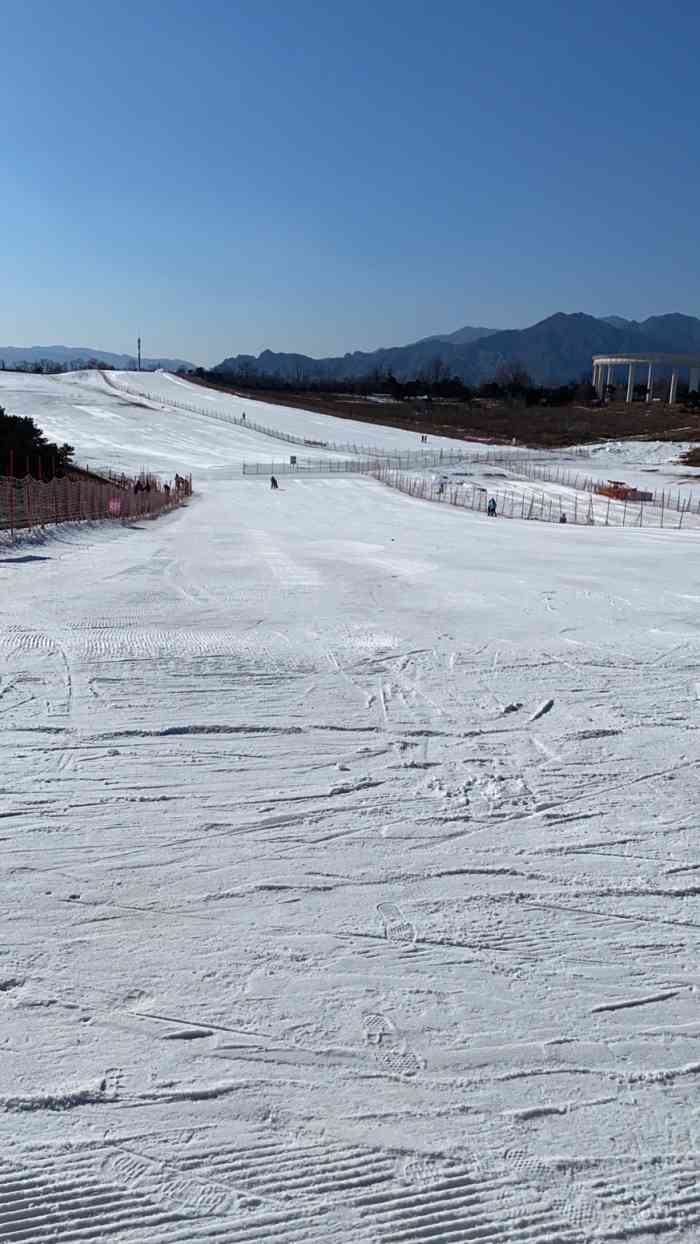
(273,482)
(491,508)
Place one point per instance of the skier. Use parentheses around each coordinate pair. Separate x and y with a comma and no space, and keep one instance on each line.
(491,508)
(562,517)
(243,417)
(273,482)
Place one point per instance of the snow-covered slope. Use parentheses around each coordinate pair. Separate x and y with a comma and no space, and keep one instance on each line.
(110,428)
(304,423)
(350,887)
(110,423)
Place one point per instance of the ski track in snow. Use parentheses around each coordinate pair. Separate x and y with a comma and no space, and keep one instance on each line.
(350,894)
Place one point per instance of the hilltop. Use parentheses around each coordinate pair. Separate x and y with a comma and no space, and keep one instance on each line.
(74,358)
(553,351)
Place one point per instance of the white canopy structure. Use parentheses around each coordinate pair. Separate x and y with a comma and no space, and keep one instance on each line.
(604,371)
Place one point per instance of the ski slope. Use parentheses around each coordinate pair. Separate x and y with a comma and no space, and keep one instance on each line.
(110,428)
(166,387)
(351,866)
(110,422)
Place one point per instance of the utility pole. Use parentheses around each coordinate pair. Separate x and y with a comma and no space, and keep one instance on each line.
(139,345)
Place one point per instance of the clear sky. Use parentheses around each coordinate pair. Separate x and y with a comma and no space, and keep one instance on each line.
(228,175)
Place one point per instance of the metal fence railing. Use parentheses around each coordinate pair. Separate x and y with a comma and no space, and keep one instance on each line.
(664,500)
(329,466)
(440,458)
(513,502)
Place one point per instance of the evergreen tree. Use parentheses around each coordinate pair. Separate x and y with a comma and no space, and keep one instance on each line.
(25,450)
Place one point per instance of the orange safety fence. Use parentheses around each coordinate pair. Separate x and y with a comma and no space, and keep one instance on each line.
(29,503)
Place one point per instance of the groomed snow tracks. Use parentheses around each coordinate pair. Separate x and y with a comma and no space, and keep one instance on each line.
(273,1191)
(461,1208)
(265,1191)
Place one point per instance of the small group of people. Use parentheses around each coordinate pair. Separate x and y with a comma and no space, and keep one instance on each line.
(423,439)
(492,508)
(148,483)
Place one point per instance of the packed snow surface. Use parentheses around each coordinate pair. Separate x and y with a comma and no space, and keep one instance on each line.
(351,882)
(164,387)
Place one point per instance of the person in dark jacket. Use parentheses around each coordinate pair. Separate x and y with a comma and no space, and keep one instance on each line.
(273,482)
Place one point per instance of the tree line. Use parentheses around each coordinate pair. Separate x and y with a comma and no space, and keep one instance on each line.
(50,367)
(24,450)
(512,384)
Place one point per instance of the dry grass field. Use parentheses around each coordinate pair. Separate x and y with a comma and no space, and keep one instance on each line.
(482,419)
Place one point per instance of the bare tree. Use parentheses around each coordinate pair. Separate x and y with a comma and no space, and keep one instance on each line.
(514,375)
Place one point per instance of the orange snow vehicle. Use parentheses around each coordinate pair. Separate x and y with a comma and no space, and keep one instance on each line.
(618,490)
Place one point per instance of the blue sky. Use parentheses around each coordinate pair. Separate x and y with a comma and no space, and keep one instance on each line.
(226,176)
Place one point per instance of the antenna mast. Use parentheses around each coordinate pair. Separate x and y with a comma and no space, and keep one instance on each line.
(139,346)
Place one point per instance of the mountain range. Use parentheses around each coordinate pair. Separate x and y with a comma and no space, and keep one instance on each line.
(554,351)
(12,355)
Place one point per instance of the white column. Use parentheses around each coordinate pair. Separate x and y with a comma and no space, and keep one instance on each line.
(694,379)
(630,383)
(594,380)
(674,386)
(600,383)
(650,381)
(609,374)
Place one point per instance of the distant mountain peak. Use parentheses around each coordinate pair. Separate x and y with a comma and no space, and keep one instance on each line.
(12,355)
(616,321)
(462,336)
(555,350)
